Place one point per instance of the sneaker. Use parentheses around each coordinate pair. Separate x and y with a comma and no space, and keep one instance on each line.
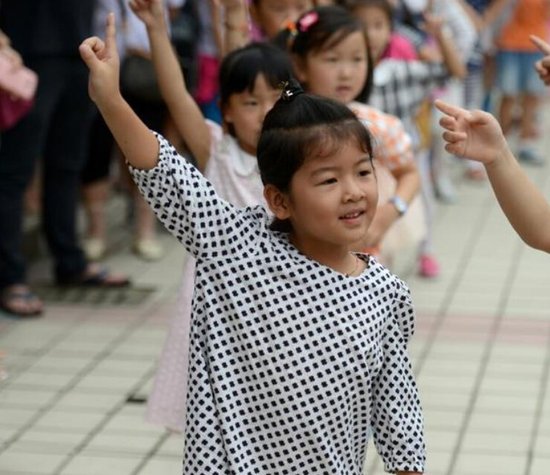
(148,249)
(428,266)
(529,157)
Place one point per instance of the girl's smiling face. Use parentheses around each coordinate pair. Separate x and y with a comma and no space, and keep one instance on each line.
(246,111)
(331,201)
(338,72)
(271,15)
(377,27)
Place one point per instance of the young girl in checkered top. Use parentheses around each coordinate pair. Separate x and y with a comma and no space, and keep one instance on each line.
(298,346)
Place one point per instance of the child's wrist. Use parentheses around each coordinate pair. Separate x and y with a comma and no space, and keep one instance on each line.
(502,155)
(157,28)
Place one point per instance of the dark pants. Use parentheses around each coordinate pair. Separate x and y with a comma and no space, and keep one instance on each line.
(55,131)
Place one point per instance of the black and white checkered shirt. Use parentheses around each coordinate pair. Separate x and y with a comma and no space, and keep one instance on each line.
(292,364)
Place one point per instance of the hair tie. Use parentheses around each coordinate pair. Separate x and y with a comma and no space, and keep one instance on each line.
(292,32)
(306,22)
(291,89)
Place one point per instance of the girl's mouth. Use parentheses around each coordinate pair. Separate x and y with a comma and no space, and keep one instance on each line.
(352,216)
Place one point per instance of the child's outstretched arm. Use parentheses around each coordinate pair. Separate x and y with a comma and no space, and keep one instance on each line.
(236,24)
(451,56)
(137,142)
(542,66)
(477,135)
(184,110)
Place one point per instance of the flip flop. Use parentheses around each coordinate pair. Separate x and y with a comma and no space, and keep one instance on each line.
(95,276)
(10,296)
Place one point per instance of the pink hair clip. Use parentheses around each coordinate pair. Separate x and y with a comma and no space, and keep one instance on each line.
(307,21)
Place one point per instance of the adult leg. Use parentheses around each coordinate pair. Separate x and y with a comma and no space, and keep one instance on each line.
(532,92)
(21,147)
(508,77)
(63,162)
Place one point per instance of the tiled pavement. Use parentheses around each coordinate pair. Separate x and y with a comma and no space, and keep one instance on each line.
(481,353)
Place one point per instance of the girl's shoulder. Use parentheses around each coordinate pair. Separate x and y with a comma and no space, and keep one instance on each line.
(375,118)
(380,277)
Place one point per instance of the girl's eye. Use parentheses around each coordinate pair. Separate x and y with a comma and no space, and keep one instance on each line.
(250,103)
(328,181)
(365,172)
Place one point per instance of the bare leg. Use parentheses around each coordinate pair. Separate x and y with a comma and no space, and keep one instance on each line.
(505,114)
(529,105)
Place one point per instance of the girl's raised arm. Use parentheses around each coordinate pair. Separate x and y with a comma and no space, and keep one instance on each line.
(137,142)
(184,110)
(451,56)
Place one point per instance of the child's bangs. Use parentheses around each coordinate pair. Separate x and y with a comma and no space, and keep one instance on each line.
(326,140)
(240,71)
(333,39)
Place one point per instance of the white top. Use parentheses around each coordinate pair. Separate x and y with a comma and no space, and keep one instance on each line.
(291,363)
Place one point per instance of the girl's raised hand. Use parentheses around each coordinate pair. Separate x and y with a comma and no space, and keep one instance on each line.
(542,66)
(102,60)
(150,12)
(471,134)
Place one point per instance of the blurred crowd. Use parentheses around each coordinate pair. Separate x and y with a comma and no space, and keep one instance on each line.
(57,156)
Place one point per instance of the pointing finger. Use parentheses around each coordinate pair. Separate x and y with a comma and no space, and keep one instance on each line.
(448,109)
(110,33)
(542,45)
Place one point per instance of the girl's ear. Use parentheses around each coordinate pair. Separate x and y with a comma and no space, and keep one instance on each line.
(277,201)
(226,114)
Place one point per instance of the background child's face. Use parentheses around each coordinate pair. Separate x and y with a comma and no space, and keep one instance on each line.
(271,15)
(246,112)
(332,198)
(377,27)
(338,72)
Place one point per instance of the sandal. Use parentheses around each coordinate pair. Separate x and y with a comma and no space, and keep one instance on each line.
(96,276)
(19,301)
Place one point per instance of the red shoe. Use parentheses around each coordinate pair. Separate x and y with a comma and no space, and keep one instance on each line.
(428,266)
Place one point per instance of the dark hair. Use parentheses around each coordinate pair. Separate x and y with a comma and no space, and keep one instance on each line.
(240,69)
(299,126)
(333,24)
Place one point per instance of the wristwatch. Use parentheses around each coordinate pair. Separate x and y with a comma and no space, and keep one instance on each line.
(400,204)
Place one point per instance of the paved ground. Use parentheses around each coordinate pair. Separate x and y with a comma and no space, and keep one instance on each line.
(481,353)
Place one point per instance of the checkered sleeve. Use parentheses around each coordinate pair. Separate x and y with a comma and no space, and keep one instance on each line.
(189,207)
(397,415)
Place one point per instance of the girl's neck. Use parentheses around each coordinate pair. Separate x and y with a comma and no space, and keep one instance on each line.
(246,148)
(336,257)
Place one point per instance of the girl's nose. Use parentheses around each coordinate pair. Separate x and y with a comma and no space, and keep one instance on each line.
(353,191)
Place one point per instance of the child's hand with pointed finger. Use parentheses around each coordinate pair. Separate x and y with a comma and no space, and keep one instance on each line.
(471,134)
(102,60)
(542,66)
